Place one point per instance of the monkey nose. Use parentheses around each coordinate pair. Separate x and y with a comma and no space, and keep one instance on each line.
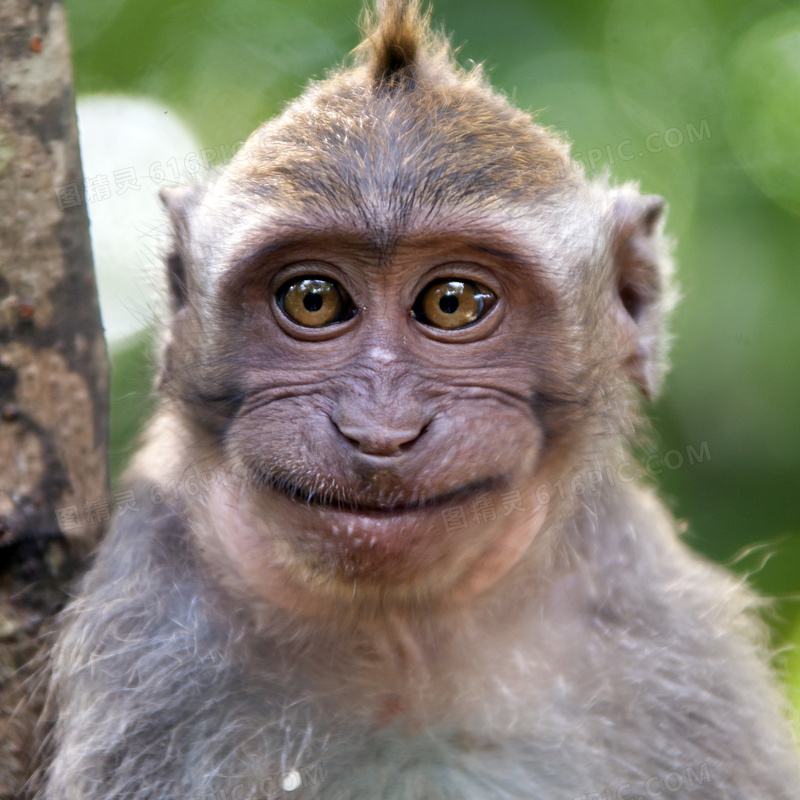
(378,439)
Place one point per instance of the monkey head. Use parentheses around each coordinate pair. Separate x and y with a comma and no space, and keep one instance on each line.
(403,311)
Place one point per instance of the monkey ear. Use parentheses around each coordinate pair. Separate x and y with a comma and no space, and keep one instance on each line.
(641,264)
(179,202)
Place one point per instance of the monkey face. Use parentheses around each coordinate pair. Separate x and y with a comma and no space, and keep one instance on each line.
(398,339)
(390,416)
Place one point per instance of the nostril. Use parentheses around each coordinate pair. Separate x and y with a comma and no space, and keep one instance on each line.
(351,440)
(407,445)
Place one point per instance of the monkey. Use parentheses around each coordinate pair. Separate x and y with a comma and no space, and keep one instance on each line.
(388,537)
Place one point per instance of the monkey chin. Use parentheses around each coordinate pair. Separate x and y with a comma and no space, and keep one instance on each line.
(312,558)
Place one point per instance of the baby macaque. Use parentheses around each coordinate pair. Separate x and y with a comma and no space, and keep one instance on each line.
(391,543)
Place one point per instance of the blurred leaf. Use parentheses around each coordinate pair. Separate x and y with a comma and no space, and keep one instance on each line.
(764,112)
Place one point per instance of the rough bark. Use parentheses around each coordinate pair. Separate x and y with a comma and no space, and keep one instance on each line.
(53,370)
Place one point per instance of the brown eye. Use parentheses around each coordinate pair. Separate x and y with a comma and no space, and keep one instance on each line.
(314,302)
(452,303)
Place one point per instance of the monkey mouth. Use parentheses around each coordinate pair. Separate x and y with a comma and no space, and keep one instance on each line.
(340,500)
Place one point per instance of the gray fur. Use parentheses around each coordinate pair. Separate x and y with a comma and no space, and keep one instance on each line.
(642,662)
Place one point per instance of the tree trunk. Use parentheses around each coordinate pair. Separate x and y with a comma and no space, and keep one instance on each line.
(53,370)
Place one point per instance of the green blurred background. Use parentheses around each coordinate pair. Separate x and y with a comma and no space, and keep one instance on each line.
(700,101)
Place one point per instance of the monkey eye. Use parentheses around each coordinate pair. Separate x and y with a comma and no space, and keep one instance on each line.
(314,302)
(452,304)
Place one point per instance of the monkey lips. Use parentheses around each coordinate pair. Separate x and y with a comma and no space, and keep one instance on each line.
(388,525)
(380,525)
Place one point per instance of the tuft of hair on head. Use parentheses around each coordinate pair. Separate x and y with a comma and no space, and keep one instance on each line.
(396,36)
